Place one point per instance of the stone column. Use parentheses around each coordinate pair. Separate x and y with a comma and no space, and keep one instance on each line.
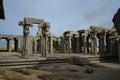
(108,44)
(64,44)
(16,44)
(51,44)
(9,44)
(69,44)
(93,43)
(85,42)
(42,46)
(35,46)
(78,45)
(25,41)
(88,44)
(102,44)
(46,45)
(81,42)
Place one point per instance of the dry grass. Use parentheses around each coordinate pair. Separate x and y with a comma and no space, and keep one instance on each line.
(33,74)
(12,75)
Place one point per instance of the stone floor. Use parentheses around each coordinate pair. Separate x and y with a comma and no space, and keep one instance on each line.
(13,56)
(17,57)
(105,71)
(60,72)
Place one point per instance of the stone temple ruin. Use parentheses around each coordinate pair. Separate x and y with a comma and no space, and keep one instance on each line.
(42,34)
(94,41)
(100,41)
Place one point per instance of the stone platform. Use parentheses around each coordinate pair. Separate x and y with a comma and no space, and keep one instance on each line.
(7,57)
(16,57)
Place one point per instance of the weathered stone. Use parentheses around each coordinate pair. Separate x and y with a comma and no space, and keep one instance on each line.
(79,61)
(45,26)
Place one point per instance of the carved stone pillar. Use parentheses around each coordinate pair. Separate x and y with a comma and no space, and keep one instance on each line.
(69,44)
(78,45)
(64,44)
(9,49)
(102,44)
(42,46)
(93,43)
(16,44)
(81,43)
(25,41)
(46,45)
(85,42)
(51,44)
(108,44)
(35,46)
(88,44)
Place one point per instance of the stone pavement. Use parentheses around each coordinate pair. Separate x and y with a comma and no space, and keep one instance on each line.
(16,57)
(110,65)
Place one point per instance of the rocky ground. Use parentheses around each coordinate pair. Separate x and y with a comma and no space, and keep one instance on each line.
(60,72)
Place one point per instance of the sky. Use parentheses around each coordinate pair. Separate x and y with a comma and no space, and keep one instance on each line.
(63,15)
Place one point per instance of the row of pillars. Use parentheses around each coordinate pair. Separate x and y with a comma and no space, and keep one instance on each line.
(89,43)
(9,47)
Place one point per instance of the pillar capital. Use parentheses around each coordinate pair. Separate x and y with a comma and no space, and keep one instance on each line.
(8,38)
(16,38)
(102,35)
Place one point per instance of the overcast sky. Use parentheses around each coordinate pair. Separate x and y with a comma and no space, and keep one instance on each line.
(63,15)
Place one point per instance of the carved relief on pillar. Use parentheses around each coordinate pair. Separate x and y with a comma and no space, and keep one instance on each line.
(75,43)
(102,43)
(93,37)
(68,43)
(85,34)
(81,43)
(45,26)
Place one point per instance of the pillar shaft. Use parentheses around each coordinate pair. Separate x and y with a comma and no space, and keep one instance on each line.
(93,44)
(78,44)
(85,43)
(64,45)
(81,42)
(108,45)
(16,45)
(35,46)
(88,44)
(46,45)
(42,46)
(25,41)
(111,47)
(69,44)
(101,46)
(51,44)
(9,45)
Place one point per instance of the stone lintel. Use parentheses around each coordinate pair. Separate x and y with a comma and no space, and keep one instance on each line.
(28,20)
